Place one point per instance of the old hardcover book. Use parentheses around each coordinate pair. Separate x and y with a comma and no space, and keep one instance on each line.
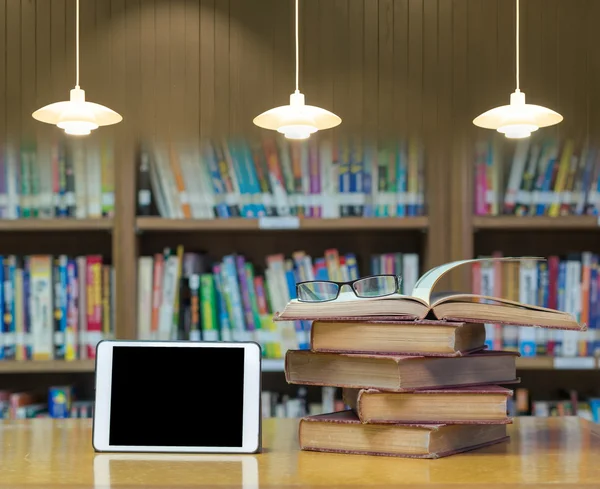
(398,373)
(423,303)
(461,405)
(342,432)
(441,338)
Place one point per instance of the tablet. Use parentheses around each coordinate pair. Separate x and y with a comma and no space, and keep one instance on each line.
(177,396)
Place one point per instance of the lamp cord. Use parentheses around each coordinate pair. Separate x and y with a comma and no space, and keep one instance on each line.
(77,44)
(517,44)
(297,48)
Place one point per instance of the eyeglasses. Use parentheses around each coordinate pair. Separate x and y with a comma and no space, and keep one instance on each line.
(325,290)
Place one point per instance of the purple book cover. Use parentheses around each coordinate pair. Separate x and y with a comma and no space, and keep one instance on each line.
(240,262)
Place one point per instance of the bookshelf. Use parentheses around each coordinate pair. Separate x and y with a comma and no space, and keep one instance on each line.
(358,224)
(46,367)
(56,225)
(406,93)
(541,223)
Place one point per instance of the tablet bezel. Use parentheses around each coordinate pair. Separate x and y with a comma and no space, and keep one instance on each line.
(251,442)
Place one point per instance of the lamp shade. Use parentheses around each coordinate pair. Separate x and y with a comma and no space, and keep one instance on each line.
(76,116)
(518,119)
(297,120)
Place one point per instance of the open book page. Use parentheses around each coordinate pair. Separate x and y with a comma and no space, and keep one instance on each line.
(424,286)
(494,300)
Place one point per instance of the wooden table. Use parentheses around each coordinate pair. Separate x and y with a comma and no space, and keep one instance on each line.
(58,454)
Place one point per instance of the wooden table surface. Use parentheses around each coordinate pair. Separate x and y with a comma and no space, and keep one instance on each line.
(58,454)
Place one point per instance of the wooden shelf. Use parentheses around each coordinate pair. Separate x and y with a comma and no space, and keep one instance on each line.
(557,363)
(35,225)
(240,224)
(83,366)
(535,363)
(535,223)
(49,366)
(268,365)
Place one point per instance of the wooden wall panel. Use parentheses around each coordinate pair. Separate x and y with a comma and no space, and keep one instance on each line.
(209,66)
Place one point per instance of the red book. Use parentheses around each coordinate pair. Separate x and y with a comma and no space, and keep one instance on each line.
(342,432)
(94,303)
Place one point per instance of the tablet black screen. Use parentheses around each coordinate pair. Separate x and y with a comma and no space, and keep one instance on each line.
(177,396)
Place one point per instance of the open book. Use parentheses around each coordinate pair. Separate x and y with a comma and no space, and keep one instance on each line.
(420,305)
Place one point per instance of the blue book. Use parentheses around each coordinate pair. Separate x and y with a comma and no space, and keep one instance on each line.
(210,159)
(401,180)
(561,304)
(232,286)
(26,309)
(547,183)
(10,344)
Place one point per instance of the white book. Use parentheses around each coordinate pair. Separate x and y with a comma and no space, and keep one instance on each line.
(516,172)
(145,287)
(169,290)
(157,185)
(487,288)
(167,182)
(527,295)
(81,182)
(94,182)
(44,164)
(410,271)
(41,307)
(208,199)
(191,179)
(328,399)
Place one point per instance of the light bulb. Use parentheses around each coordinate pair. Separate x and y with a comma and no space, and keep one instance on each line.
(517,131)
(297,131)
(77,128)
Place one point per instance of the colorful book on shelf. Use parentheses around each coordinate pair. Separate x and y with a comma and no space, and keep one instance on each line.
(431,338)
(342,432)
(421,304)
(233,177)
(461,405)
(399,373)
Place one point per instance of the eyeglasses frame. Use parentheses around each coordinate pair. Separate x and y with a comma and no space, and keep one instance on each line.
(397,279)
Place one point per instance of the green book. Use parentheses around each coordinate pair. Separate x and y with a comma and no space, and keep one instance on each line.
(208,304)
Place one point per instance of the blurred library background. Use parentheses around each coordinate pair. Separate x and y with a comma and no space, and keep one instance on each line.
(188,222)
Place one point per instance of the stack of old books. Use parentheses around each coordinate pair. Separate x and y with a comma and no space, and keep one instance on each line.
(414,372)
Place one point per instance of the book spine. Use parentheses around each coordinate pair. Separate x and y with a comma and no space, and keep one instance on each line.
(94,303)
(195,331)
(27,341)
(232,290)
(209,305)
(9,308)
(541,335)
(71,339)
(60,299)
(224,304)
(245,292)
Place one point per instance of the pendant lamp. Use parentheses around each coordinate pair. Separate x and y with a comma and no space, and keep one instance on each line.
(518,119)
(76,116)
(297,120)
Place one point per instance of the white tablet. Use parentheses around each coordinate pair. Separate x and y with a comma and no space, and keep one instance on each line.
(177,396)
